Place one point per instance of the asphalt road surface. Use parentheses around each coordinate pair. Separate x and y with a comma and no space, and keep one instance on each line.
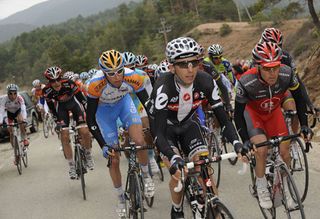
(44,189)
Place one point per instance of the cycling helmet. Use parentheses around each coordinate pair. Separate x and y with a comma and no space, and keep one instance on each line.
(36,83)
(272,35)
(141,60)
(201,50)
(152,67)
(84,76)
(162,68)
(267,54)
(91,72)
(12,87)
(68,75)
(182,47)
(129,58)
(215,50)
(111,61)
(75,77)
(53,73)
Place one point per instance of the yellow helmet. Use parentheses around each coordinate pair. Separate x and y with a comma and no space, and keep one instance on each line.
(111,60)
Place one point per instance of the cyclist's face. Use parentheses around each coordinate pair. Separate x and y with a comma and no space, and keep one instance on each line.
(186,69)
(12,95)
(270,74)
(56,85)
(216,59)
(116,80)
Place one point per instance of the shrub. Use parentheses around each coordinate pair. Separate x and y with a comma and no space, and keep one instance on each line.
(225,29)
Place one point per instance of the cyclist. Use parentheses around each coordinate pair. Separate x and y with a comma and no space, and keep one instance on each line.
(141,62)
(275,36)
(162,68)
(109,99)
(129,61)
(258,114)
(68,97)
(36,91)
(15,106)
(174,99)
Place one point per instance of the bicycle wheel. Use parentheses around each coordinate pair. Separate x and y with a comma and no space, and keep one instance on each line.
(216,209)
(299,167)
(17,154)
(267,213)
(294,194)
(228,148)
(45,128)
(149,200)
(214,150)
(24,157)
(136,208)
(80,169)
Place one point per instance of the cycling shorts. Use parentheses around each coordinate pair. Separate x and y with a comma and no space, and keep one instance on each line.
(107,115)
(272,124)
(142,112)
(73,106)
(13,116)
(189,135)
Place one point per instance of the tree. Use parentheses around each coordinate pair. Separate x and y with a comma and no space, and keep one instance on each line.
(314,15)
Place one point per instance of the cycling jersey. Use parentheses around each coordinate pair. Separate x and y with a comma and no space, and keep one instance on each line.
(224,67)
(173,105)
(255,95)
(106,103)
(64,97)
(12,107)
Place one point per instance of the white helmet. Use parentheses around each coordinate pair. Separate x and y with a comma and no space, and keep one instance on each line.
(12,87)
(84,76)
(129,58)
(182,47)
(35,82)
(215,50)
(91,72)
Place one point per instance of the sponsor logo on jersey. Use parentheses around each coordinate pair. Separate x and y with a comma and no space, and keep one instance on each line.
(196,95)
(186,97)
(174,99)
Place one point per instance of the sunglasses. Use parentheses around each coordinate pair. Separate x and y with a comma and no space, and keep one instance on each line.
(270,69)
(112,74)
(185,64)
(12,93)
(216,57)
(54,80)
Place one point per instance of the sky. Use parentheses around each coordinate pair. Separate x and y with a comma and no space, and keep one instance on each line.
(9,7)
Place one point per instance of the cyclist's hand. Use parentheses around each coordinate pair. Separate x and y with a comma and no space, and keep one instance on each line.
(246,151)
(229,110)
(177,163)
(107,151)
(307,133)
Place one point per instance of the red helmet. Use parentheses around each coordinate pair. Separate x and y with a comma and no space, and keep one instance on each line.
(267,54)
(272,35)
(53,73)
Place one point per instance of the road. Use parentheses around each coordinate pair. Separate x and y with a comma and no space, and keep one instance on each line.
(45,191)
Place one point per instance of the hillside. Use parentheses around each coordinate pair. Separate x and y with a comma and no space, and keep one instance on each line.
(52,12)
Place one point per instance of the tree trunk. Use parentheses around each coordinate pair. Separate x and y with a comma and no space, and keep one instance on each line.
(314,14)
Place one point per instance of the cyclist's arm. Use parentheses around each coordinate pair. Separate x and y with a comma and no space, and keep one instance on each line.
(23,108)
(92,105)
(224,92)
(305,94)
(240,120)
(160,121)
(81,98)
(300,105)
(51,107)
(2,110)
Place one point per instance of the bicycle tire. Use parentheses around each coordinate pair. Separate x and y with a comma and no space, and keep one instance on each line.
(216,208)
(293,192)
(226,145)
(45,128)
(267,213)
(17,154)
(79,170)
(214,149)
(300,164)
(136,210)
(24,158)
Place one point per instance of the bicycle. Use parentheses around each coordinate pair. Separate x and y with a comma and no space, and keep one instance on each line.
(299,162)
(134,190)
(20,151)
(275,172)
(48,125)
(79,156)
(201,198)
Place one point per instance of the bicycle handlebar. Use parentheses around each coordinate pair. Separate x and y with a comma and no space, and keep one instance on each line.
(274,141)
(133,148)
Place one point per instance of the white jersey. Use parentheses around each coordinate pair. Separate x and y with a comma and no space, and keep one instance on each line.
(12,106)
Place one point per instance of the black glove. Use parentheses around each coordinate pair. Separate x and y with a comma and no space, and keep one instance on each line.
(176,163)
(247,146)
(237,147)
(307,132)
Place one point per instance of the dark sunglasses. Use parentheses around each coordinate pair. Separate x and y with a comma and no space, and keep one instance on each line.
(12,93)
(112,74)
(185,64)
(270,69)
(54,80)
(216,57)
